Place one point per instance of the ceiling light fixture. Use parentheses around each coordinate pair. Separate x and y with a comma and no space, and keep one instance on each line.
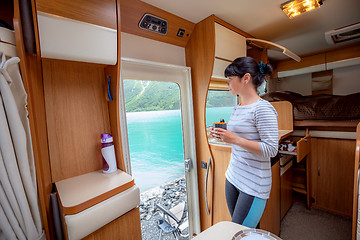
(296,7)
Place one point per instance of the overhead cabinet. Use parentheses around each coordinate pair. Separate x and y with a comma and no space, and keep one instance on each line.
(229,45)
(68,39)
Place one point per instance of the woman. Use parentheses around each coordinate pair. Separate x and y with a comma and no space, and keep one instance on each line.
(252,131)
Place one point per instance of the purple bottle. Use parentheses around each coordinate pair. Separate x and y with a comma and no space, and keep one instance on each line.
(108,153)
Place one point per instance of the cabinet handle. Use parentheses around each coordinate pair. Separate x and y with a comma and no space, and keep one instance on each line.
(318,171)
(206,179)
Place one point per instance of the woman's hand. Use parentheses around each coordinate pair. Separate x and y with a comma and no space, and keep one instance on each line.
(224,135)
(210,132)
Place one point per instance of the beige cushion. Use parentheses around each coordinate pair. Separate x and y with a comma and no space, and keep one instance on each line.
(84,223)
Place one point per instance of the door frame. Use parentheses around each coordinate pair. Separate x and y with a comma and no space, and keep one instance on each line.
(187,118)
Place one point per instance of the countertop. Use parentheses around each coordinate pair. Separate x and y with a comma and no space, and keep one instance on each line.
(222,146)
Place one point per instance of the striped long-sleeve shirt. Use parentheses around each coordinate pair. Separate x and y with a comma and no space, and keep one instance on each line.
(250,172)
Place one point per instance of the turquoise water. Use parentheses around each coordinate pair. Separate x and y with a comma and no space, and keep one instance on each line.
(156,144)
(156,147)
(216,113)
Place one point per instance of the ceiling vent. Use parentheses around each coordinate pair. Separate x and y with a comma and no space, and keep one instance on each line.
(345,34)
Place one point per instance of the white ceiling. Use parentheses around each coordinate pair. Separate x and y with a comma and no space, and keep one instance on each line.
(265,20)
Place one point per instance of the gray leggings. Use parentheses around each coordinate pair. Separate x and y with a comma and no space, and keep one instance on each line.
(244,209)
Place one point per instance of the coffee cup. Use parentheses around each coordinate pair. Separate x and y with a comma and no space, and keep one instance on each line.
(222,125)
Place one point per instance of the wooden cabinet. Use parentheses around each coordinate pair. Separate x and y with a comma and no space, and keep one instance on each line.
(221,155)
(201,57)
(302,169)
(332,174)
(229,45)
(286,192)
(68,109)
(270,221)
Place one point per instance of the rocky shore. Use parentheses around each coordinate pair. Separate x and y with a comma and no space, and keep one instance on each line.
(167,195)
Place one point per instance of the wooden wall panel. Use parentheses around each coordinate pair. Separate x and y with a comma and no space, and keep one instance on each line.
(77,113)
(126,227)
(30,67)
(332,174)
(133,10)
(200,55)
(102,13)
(284,110)
(258,54)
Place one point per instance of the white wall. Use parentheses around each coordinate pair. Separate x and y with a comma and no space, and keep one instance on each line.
(346,80)
(136,47)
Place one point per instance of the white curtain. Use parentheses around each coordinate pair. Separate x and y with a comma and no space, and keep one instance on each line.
(19,211)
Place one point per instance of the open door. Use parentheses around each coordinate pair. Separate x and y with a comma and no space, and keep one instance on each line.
(156,118)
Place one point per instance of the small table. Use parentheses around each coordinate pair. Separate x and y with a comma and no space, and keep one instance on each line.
(221,230)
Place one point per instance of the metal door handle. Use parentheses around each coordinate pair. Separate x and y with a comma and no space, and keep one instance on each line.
(188,165)
(206,179)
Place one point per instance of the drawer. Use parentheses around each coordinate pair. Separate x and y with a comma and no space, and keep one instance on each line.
(302,147)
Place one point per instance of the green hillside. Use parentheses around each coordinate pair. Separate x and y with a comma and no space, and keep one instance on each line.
(154,96)
(151,96)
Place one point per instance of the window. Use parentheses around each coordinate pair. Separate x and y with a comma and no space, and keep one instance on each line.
(219,105)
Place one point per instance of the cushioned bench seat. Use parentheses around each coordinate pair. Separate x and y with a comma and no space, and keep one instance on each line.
(92,200)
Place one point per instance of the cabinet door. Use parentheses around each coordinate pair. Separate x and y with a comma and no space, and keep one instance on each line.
(332,175)
(286,192)
(270,221)
(221,161)
(219,68)
(228,44)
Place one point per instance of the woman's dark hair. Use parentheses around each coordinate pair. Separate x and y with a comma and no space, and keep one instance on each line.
(242,65)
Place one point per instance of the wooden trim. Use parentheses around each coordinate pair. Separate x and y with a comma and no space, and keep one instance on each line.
(91,202)
(356,185)
(305,62)
(231,27)
(325,123)
(323,57)
(223,59)
(102,13)
(343,53)
(284,134)
(30,68)
(114,114)
(133,10)
(200,55)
